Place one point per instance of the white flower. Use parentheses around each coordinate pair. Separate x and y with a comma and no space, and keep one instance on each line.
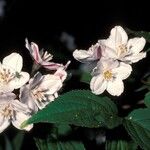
(40,57)
(41,90)
(108,75)
(12,111)
(92,54)
(11,76)
(117,46)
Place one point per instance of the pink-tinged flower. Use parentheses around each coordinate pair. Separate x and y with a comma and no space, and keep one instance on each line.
(11,76)
(13,111)
(108,75)
(40,57)
(118,47)
(85,56)
(42,89)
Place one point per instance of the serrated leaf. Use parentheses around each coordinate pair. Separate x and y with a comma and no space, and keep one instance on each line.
(144,34)
(138,126)
(120,145)
(58,145)
(80,108)
(147,99)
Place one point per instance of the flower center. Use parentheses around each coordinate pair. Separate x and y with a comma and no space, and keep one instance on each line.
(122,49)
(38,95)
(107,75)
(5,75)
(7,111)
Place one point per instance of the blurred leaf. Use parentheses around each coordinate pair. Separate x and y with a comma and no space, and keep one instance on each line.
(8,145)
(85,77)
(120,145)
(80,108)
(144,34)
(18,140)
(138,126)
(58,145)
(147,99)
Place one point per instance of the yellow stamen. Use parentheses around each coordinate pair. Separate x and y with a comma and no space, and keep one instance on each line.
(107,75)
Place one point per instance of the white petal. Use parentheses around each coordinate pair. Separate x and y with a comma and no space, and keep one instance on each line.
(19,118)
(134,58)
(13,61)
(92,54)
(50,65)
(18,106)
(123,71)
(136,45)
(98,84)
(26,98)
(119,35)
(52,83)
(61,73)
(4,123)
(20,80)
(108,48)
(115,87)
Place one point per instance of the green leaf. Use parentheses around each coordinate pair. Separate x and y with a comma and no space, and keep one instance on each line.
(18,140)
(58,145)
(120,145)
(8,145)
(85,77)
(138,126)
(147,99)
(80,108)
(144,34)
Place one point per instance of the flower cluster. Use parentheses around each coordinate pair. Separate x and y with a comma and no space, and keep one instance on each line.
(22,95)
(113,57)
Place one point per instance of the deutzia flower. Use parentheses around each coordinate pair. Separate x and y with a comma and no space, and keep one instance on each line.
(117,46)
(40,57)
(92,54)
(108,75)
(11,76)
(42,89)
(12,111)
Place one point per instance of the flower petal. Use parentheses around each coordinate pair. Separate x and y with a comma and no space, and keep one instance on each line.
(115,87)
(50,65)
(98,84)
(13,61)
(4,123)
(51,83)
(19,119)
(94,53)
(34,51)
(26,98)
(136,45)
(20,80)
(123,71)
(134,58)
(118,35)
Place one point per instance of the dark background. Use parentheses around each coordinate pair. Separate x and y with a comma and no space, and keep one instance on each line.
(44,21)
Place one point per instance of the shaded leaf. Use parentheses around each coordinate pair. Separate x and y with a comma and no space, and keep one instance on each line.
(147,99)
(58,145)
(120,145)
(138,126)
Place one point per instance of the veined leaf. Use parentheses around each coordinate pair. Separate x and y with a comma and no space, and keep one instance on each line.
(120,145)
(80,108)
(58,145)
(138,126)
